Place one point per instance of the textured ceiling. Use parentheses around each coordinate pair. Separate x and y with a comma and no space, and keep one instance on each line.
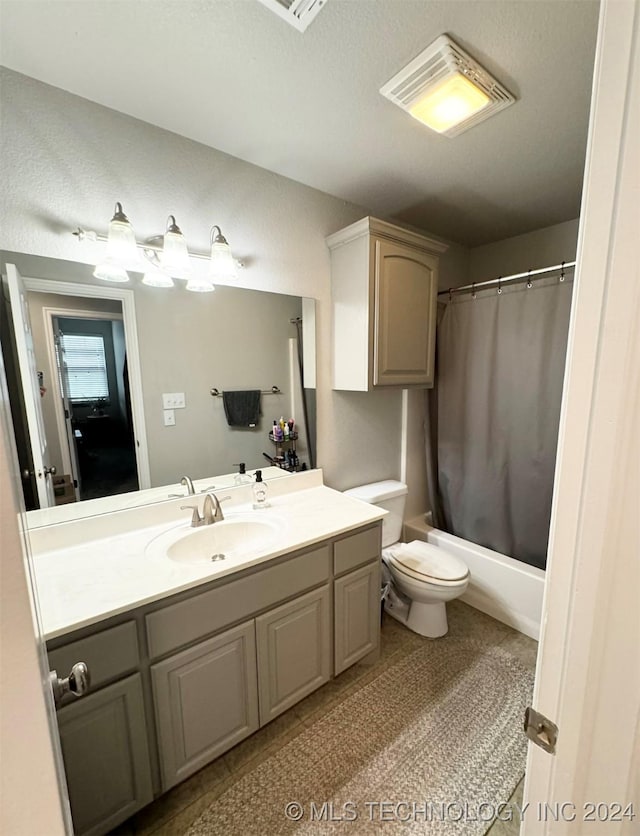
(234,76)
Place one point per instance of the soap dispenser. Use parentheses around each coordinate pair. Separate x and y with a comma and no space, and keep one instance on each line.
(259,492)
(242,477)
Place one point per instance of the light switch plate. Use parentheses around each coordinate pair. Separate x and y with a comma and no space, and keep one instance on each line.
(169,418)
(173,400)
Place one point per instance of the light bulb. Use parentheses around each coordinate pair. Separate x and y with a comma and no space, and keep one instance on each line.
(175,256)
(200,284)
(154,277)
(222,264)
(110,272)
(121,240)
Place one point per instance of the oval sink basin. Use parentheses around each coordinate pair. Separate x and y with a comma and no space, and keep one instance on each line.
(230,538)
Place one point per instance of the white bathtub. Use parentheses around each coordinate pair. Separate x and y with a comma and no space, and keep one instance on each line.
(502,587)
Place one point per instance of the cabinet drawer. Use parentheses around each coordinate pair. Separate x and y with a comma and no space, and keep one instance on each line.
(355,550)
(198,616)
(109,654)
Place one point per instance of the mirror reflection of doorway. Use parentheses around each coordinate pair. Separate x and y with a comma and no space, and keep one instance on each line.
(95,406)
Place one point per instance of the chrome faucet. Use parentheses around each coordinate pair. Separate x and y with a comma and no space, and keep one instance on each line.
(189,484)
(211,511)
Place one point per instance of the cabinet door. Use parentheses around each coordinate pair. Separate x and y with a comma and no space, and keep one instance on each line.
(206,701)
(405,288)
(106,756)
(294,652)
(357,615)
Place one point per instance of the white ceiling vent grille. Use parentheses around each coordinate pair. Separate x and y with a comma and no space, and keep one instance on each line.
(299,13)
(439,61)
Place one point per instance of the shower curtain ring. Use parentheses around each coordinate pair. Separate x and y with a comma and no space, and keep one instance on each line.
(499,285)
(450,295)
(529,282)
(473,291)
(562,272)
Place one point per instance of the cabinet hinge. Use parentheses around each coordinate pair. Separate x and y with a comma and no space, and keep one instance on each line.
(540,730)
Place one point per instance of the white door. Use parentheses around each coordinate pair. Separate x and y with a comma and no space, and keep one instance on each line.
(70,437)
(42,470)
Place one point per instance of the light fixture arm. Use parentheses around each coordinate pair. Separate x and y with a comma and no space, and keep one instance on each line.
(219,238)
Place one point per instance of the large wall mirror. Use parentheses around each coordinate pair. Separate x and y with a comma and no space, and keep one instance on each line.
(97,374)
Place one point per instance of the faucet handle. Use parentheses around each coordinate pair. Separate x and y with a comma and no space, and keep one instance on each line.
(196,519)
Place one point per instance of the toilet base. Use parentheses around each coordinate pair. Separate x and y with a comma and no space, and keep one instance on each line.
(429,620)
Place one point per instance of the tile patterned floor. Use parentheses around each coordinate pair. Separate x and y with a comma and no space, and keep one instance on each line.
(173,813)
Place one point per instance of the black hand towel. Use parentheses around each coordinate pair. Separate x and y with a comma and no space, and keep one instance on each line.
(242,408)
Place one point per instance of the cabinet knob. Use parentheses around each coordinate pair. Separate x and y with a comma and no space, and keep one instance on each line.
(77,683)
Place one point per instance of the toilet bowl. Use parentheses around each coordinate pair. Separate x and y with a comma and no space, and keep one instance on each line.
(423,576)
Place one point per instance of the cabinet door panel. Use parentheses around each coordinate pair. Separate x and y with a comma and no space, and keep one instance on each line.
(405,307)
(106,756)
(206,701)
(294,652)
(357,615)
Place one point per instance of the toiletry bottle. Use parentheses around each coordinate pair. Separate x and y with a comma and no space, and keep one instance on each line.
(274,431)
(259,492)
(242,477)
(285,431)
(291,424)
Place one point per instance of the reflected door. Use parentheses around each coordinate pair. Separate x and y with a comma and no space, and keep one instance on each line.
(42,470)
(71,437)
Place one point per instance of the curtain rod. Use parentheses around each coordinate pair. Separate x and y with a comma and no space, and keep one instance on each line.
(516,277)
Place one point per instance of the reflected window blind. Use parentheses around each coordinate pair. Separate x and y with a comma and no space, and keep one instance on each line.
(86,367)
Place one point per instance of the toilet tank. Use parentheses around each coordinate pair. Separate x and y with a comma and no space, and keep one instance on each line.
(391,496)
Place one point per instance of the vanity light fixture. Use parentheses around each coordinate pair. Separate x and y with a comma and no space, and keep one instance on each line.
(222,264)
(121,249)
(446,89)
(168,255)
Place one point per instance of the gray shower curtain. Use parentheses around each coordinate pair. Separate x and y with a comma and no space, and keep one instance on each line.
(493,416)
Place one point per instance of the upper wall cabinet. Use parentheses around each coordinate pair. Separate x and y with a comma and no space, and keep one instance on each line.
(384,285)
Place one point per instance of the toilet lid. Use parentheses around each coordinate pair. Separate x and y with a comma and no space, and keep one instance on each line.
(429,561)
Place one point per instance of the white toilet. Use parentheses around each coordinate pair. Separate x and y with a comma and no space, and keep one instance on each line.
(424,577)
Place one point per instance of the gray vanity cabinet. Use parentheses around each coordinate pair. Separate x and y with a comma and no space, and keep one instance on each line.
(176,683)
(294,652)
(357,615)
(106,756)
(206,701)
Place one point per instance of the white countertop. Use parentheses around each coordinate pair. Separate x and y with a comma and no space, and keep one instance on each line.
(85,575)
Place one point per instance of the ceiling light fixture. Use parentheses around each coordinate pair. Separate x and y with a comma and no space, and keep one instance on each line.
(168,255)
(446,89)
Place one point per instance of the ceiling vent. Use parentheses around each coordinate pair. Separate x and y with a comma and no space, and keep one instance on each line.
(445,89)
(299,13)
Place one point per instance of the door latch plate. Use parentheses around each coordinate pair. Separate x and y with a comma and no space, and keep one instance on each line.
(540,730)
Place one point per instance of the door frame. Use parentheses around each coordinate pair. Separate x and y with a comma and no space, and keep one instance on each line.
(127,299)
(71,313)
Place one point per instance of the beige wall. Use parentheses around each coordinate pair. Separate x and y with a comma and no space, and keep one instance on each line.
(540,248)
